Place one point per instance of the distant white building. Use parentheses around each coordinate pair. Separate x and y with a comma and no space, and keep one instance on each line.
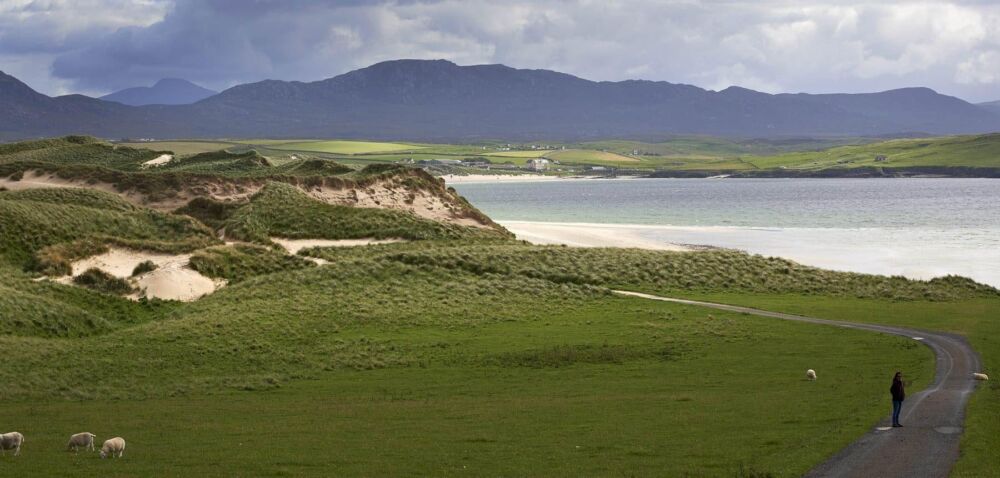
(537,164)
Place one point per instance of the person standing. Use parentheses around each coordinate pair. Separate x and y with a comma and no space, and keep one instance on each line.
(898,395)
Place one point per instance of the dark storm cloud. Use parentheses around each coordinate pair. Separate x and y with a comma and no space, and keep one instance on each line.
(768,45)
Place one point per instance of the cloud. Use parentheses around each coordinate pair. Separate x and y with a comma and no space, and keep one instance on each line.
(983,68)
(770,45)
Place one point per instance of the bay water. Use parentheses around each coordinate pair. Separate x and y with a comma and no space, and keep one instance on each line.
(918,227)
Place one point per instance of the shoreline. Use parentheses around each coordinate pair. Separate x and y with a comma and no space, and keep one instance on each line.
(920,254)
(520,178)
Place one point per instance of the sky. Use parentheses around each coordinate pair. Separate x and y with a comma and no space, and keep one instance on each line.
(95,47)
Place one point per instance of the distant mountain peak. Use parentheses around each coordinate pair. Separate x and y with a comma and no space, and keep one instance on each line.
(167,91)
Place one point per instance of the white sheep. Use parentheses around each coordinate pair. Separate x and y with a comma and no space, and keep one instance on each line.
(11,441)
(83,440)
(112,446)
(980,376)
(810,374)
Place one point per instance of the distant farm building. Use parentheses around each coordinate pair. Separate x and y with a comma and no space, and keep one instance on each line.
(881,157)
(537,164)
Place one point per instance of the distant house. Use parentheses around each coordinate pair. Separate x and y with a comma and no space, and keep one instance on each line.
(537,164)
(881,157)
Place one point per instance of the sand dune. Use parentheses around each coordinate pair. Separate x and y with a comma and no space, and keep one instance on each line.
(293,246)
(159,161)
(172,279)
(175,281)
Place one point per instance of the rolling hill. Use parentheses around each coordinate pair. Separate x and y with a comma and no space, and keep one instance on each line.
(426,100)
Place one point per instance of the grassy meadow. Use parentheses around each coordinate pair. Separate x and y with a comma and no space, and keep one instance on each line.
(976,319)
(978,151)
(375,366)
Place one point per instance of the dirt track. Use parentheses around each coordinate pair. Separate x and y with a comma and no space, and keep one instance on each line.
(927,445)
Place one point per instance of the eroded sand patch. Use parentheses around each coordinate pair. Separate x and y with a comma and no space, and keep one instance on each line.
(158,161)
(121,262)
(293,246)
(171,280)
(176,282)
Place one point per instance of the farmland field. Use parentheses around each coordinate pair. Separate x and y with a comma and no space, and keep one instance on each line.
(589,156)
(519,154)
(969,151)
(344,147)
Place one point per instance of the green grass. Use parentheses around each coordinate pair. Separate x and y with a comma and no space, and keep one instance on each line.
(31,308)
(535,153)
(980,151)
(144,267)
(241,262)
(344,147)
(46,228)
(591,157)
(976,319)
(84,152)
(101,281)
(665,271)
(507,369)
(443,392)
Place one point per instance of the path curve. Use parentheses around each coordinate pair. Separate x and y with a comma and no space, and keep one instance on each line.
(927,445)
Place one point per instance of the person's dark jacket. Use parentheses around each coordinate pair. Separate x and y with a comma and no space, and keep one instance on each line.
(897,390)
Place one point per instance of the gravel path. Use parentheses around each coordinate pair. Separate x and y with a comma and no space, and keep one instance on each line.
(927,445)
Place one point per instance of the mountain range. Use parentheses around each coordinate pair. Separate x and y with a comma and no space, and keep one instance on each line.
(993,106)
(438,100)
(168,91)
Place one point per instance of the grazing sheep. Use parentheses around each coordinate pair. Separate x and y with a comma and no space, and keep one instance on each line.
(980,376)
(11,441)
(83,440)
(810,374)
(112,446)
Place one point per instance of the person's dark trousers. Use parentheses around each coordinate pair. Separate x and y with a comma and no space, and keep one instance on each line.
(897,405)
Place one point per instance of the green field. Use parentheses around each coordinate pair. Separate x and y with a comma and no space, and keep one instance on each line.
(344,147)
(459,352)
(589,157)
(978,320)
(519,154)
(981,151)
(592,387)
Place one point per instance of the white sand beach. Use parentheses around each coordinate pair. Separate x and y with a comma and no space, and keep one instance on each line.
(586,235)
